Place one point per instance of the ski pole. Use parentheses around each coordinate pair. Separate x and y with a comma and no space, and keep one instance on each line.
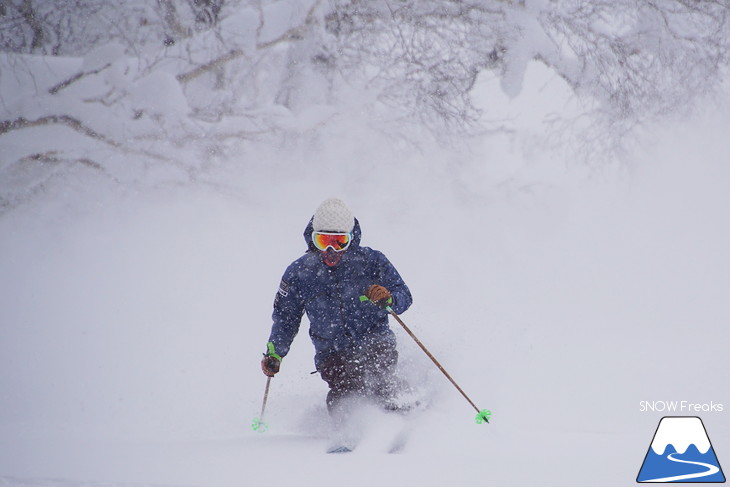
(258,422)
(483,415)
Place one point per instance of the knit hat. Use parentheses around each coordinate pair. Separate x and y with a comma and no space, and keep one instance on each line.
(333,216)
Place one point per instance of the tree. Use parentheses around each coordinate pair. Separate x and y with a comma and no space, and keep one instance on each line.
(227,73)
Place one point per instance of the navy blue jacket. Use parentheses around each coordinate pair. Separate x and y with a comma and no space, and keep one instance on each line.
(338,320)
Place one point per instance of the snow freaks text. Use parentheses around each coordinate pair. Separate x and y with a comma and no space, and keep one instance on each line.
(680,407)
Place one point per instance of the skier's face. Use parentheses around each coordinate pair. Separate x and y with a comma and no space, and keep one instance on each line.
(331,245)
(331,257)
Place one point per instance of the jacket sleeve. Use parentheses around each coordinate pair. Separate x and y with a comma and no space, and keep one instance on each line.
(392,280)
(287,315)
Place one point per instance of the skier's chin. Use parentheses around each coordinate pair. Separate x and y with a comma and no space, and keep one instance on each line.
(331,258)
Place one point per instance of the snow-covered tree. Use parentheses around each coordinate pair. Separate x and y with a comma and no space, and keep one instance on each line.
(180,81)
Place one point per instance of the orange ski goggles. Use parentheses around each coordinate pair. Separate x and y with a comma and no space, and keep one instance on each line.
(338,241)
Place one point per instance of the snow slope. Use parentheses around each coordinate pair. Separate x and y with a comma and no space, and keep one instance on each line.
(133,320)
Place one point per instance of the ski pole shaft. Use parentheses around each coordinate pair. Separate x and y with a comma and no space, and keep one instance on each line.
(266,397)
(436,362)
(258,423)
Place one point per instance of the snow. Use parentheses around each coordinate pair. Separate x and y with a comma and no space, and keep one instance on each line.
(159,92)
(102,56)
(135,307)
(133,327)
(279,16)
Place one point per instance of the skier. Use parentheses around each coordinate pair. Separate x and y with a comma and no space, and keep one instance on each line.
(344,289)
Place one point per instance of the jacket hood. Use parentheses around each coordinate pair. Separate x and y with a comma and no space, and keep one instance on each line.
(356,233)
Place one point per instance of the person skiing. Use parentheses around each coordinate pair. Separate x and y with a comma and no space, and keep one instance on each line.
(344,288)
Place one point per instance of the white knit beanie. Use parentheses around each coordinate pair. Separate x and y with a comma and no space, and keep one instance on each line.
(333,216)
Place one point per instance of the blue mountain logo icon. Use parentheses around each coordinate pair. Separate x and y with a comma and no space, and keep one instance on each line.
(681,452)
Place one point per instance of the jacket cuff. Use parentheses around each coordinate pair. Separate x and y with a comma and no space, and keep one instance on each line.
(271,351)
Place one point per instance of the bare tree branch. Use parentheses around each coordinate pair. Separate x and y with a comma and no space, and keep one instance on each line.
(64,84)
(75,124)
(31,17)
(291,34)
(210,66)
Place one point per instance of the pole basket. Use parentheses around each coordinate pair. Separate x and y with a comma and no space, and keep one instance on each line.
(483,416)
(258,425)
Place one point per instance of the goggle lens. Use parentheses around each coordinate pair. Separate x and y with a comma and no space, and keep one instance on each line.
(338,241)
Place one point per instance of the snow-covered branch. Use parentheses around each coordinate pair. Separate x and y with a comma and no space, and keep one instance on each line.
(194,79)
(76,125)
